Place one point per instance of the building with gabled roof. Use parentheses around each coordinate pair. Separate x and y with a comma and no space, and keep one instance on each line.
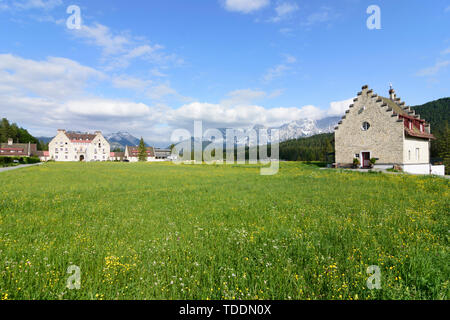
(76,146)
(11,149)
(132,154)
(384,129)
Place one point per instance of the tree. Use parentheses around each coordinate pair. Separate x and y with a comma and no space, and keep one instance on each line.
(142,151)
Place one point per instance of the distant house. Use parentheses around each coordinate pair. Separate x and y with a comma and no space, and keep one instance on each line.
(44,156)
(386,130)
(163,154)
(116,156)
(11,149)
(132,154)
(75,146)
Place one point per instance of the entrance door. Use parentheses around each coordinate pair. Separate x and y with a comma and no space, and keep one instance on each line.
(366,159)
(81,158)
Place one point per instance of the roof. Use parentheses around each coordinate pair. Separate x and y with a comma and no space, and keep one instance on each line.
(418,134)
(407,113)
(134,151)
(82,137)
(117,154)
(43,153)
(17,149)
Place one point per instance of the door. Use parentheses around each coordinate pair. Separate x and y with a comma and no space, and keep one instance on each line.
(81,158)
(366,159)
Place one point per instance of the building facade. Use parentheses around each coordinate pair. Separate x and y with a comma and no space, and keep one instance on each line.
(74,146)
(11,149)
(132,154)
(117,156)
(163,154)
(386,130)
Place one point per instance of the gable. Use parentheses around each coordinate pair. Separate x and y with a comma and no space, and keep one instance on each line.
(387,113)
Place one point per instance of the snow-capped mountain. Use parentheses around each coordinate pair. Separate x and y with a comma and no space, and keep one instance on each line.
(121,140)
(292,130)
(304,128)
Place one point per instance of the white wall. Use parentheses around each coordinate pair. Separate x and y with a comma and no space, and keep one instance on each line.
(438,170)
(417,168)
(409,151)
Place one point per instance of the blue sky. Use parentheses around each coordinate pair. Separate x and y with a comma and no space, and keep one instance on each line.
(149,67)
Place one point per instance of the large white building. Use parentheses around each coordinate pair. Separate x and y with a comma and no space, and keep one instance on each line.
(74,146)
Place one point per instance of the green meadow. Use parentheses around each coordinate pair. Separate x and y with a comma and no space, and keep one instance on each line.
(166,231)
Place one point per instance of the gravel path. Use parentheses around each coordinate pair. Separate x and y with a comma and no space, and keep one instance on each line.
(19,166)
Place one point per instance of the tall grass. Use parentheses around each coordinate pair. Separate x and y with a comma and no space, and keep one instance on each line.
(161,231)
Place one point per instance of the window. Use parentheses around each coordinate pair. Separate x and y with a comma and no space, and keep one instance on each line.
(66,157)
(362,109)
(365,126)
(417,154)
(409,154)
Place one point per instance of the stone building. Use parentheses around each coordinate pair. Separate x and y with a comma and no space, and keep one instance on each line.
(75,146)
(384,129)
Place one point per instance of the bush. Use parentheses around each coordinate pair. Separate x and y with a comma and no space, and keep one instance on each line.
(7,161)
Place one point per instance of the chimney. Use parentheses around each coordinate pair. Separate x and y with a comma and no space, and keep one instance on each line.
(392,94)
(10,141)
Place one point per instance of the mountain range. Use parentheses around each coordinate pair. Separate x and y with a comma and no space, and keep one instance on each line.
(292,130)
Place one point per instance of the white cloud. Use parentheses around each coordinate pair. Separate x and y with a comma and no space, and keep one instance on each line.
(245,96)
(146,88)
(105,108)
(52,78)
(102,37)
(445,52)
(432,71)
(241,116)
(325,14)
(280,69)
(245,6)
(50,94)
(37,4)
(127,82)
(284,10)
(338,108)
(119,50)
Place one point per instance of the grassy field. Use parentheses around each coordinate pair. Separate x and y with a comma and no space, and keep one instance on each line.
(161,231)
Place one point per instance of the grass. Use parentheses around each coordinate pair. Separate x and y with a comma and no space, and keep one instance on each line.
(161,231)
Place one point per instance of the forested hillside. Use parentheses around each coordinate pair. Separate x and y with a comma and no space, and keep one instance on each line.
(437,113)
(315,148)
(18,134)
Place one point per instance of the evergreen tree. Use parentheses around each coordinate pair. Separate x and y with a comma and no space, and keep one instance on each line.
(142,151)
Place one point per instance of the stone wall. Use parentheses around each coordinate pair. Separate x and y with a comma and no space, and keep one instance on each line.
(384,138)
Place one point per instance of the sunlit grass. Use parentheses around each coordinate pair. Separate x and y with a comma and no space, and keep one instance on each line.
(162,231)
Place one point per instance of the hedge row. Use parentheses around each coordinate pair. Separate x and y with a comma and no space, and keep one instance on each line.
(22,160)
